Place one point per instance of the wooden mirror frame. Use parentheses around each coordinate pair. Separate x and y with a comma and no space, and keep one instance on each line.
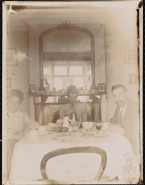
(68,26)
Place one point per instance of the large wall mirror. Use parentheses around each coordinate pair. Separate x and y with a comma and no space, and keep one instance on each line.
(67,52)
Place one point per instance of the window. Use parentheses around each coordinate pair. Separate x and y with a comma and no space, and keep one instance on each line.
(68,72)
(55,72)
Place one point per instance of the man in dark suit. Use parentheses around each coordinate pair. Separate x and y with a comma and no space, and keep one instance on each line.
(126,116)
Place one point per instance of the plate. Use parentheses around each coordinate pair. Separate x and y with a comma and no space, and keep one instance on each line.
(62,136)
(33,138)
(64,129)
(87,136)
(43,134)
(76,133)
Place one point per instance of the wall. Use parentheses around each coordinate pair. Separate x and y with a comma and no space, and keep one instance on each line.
(17,38)
(120,38)
(34,33)
(119,29)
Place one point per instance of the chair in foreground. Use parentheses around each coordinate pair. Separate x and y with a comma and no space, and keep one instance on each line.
(63,151)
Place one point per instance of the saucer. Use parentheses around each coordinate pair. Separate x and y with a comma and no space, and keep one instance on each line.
(28,137)
(43,134)
(62,137)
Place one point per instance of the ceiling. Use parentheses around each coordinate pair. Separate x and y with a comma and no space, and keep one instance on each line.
(82,12)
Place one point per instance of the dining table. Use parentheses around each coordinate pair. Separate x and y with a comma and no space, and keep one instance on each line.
(28,153)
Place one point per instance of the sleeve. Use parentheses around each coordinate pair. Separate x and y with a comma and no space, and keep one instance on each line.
(114,120)
(84,113)
(30,123)
(61,111)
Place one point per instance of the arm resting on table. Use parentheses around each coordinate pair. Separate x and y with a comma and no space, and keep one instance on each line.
(114,119)
(115,128)
(30,123)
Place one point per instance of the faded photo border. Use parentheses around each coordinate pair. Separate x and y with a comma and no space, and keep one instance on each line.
(69,5)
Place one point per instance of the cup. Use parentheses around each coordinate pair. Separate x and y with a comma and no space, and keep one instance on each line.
(104,126)
(41,129)
(33,134)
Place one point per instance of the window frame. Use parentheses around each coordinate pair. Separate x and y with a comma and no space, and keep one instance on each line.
(68,70)
(68,76)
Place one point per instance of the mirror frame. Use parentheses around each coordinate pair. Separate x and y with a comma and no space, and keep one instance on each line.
(68,26)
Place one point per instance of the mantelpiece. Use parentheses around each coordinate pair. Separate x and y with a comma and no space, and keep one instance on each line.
(94,100)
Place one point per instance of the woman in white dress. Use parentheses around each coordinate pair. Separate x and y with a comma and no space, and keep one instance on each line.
(17,122)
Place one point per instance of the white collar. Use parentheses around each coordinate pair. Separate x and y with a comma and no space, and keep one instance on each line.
(122,109)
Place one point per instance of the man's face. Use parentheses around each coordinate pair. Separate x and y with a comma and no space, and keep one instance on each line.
(72,97)
(14,103)
(119,97)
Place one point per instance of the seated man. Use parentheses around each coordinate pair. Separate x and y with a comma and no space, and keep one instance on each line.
(73,106)
(126,116)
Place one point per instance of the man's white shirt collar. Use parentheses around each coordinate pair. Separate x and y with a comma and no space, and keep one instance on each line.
(122,109)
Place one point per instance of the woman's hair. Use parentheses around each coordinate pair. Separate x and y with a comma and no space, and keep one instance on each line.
(15,92)
(72,89)
(118,86)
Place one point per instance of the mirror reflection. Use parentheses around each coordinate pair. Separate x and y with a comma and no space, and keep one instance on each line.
(67,59)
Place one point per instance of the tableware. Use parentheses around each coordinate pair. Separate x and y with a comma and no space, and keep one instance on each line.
(65,121)
(76,134)
(74,129)
(104,126)
(87,125)
(41,129)
(33,134)
(100,136)
(58,129)
(62,137)
(43,133)
(28,137)
(98,126)
(87,136)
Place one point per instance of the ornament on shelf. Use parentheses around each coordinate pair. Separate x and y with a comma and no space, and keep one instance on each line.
(41,88)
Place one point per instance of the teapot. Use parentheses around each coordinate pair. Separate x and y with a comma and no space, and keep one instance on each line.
(65,120)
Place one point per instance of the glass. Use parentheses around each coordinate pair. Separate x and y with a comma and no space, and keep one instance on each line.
(76,70)
(60,70)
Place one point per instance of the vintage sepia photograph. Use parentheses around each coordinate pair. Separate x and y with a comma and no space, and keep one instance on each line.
(72,92)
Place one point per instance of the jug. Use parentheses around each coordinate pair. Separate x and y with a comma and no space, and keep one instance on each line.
(65,120)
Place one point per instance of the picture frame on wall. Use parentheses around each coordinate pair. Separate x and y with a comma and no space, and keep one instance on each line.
(131,57)
(33,89)
(11,57)
(67,83)
(101,87)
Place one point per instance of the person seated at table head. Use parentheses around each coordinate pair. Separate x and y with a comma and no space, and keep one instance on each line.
(17,121)
(125,116)
(73,105)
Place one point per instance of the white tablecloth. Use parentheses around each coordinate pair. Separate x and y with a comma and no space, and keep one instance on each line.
(28,154)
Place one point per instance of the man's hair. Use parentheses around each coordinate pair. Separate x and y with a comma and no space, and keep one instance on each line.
(72,89)
(118,86)
(15,92)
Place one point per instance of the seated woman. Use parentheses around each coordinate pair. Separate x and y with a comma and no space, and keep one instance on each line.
(73,106)
(17,122)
